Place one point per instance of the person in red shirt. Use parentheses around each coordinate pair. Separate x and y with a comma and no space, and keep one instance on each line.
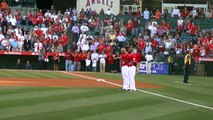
(40,20)
(124,68)
(184,13)
(61,28)
(154,44)
(138,59)
(68,56)
(101,47)
(192,29)
(29,18)
(109,61)
(47,21)
(108,49)
(55,27)
(83,60)
(129,27)
(141,44)
(34,21)
(77,63)
(138,13)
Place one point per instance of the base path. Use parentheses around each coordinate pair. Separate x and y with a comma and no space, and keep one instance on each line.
(79,82)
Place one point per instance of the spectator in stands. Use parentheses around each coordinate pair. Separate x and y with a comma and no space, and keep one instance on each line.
(121,37)
(157,14)
(75,30)
(28,66)
(4,5)
(5,44)
(175,12)
(146,14)
(135,26)
(194,13)
(185,13)
(109,12)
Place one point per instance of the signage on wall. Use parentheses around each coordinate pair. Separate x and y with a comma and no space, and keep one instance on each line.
(113,5)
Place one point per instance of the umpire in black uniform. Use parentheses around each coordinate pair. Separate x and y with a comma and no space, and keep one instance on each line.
(187,64)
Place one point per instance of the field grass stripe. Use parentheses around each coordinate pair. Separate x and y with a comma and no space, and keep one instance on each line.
(38,94)
(56,98)
(147,92)
(64,105)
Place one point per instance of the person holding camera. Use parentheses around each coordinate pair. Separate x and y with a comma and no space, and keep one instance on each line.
(149,59)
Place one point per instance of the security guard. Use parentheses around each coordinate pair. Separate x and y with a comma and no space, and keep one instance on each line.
(187,64)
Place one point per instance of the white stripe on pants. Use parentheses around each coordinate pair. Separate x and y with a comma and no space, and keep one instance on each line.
(125,77)
(132,71)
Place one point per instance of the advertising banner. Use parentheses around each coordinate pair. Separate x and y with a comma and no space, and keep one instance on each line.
(157,68)
(97,5)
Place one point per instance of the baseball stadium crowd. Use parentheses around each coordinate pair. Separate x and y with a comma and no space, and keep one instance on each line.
(95,42)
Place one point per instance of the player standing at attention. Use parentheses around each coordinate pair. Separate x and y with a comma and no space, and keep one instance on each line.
(149,59)
(132,69)
(124,69)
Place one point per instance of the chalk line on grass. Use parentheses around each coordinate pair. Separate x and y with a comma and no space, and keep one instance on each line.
(143,91)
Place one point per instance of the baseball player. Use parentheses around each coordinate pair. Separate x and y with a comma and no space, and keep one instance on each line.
(124,69)
(132,70)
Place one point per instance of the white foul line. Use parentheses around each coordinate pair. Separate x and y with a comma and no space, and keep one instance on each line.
(143,91)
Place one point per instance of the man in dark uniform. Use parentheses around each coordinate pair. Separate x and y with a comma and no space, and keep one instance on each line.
(187,64)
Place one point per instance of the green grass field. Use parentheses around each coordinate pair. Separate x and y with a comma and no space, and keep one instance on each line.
(58,103)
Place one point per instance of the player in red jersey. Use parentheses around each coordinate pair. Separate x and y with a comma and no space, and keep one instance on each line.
(124,68)
(132,62)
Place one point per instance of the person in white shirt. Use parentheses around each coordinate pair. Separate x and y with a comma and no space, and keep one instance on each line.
(146,14)
(180,22)
(88,63)
(85,46)
(81,41)
(38,45)
(121,38)
(102,58)
(84,28)
(47,14)
(13,21)
(149,59)
(194,13)
(44,29)
(109,12)
(153,30)
(94,58)
(175,12)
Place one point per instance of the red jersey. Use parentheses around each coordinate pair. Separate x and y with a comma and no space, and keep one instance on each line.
(108,49)
(61,40)
(68,55)
(141,44)
(55,27)
(132,60)
(124,59)
(196,52)
(110,59)
(192,29)
(101,48)
(61,28)
(84,56)
(154,44)
(76,57)
(138,57)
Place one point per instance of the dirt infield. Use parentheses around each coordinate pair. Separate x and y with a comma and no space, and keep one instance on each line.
(85,83)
